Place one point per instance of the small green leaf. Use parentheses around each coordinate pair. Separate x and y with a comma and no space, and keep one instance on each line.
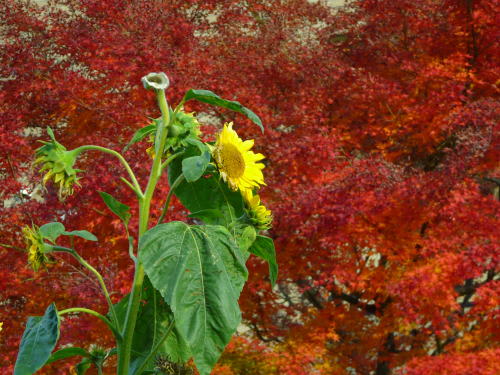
(119,209)
(194,166)
(38,341)
(81,233)
(247,238)
(263,247)
(52,230)
(66,353)
(83,366)
(140,135)
(200,272)
(209,97)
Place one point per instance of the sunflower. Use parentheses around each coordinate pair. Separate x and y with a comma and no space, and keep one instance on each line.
(237,165)
(260,216)
(34,247)
(58,164)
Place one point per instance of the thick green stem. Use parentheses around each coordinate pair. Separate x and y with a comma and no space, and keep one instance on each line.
(84,263)
(137,187)
(96,314)
(144,207)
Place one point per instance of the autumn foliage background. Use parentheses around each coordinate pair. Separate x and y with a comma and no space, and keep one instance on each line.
(382,146)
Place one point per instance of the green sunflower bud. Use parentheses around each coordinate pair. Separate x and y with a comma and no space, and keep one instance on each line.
(58,163)
(185,127)
(155,81)
(259,215)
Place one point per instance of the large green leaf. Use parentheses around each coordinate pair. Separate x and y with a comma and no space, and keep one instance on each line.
(118,208)
(209,97)
(207,195)
(38,341)
(263,247)
(199,271)
(153,320)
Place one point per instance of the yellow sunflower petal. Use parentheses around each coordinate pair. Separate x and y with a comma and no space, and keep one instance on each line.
(237,164)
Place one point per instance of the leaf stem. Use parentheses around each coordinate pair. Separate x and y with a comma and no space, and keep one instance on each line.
(176,183)
(137,187)
(100,279)
(170,159)
(97,315)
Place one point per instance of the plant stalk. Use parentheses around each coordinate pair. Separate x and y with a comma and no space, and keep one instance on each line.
(144,209)
(99,277)
(135,183)
(96,314)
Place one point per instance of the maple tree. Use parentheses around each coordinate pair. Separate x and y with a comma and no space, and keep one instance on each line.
(382,143)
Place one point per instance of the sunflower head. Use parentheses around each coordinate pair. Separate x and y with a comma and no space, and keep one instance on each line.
(237,165)
(35,247)
(58,163)
(260,216)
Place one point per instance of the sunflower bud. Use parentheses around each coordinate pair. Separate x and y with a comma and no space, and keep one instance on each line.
(164,366)
(155,81)
(58,164)
(185,127)
(35,247)
(260,216)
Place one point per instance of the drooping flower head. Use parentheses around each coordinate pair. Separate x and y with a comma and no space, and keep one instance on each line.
(35,247)
(58,162)
(260,216)
(237,165)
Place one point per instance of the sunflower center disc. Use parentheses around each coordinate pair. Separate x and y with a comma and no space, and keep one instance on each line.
(232,161)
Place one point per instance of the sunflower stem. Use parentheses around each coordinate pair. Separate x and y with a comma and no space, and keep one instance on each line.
(97,315)
(99,277)
(144,210)
(176,183)
(137,187)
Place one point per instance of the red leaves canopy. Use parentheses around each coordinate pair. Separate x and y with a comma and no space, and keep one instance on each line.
(382,148)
